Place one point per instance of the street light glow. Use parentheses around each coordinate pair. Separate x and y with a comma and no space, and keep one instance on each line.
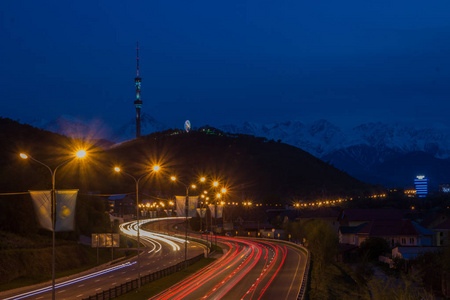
(117,169)
(23,155)
(156,168)
(81,153)
(202,179)
(173,178)
(224,190)
(215,183)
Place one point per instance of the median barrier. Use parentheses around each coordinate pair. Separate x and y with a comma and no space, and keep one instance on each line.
(131,285)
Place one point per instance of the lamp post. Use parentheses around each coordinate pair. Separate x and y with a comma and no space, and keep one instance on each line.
(202,180)
(203,204)
(79,154)
(223,203)
(186,210)
(136,181)
(215,185)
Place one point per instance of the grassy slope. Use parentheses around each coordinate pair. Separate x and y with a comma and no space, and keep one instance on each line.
(31,263)
(162,284)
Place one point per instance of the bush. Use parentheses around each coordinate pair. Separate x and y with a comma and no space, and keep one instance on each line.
(373,247)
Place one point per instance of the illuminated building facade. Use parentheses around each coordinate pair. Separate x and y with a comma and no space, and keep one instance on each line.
(421,184)
(410,192)
(138,101)
(444,188)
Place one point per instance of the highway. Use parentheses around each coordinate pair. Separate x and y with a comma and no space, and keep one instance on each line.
(250,269)
(158,252)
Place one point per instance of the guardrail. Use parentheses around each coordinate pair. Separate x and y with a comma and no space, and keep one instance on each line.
(131,285)
(301,294)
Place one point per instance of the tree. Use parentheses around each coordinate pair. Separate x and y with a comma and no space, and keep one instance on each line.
(373,247)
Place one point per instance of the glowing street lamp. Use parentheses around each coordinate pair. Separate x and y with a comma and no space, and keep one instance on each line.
(155,168)
(78,154)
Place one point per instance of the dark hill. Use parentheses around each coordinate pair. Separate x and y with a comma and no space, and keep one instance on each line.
(252,167)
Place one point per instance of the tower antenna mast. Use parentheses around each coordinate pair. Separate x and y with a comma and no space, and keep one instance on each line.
(138,101)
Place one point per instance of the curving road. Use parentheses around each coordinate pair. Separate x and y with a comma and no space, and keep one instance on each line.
(158,252)
(250,269)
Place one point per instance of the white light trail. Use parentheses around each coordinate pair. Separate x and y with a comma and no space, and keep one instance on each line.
(130,228)
(69,282)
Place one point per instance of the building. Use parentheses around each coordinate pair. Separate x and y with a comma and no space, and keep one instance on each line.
(395,232)
(442,233)
(410,192)
(355,217)
(444,188)
(122,206)
(329,215)
(421,184)
(412,252)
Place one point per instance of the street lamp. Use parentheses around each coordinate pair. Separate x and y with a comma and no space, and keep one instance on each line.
(79,154)
(186,209)
(155,168)
(202,180)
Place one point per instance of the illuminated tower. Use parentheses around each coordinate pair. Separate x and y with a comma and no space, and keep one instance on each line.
(138,102)
(421,183)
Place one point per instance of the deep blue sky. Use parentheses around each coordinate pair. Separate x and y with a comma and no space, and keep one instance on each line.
(217,62)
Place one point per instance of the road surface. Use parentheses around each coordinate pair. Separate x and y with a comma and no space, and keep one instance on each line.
(250,269)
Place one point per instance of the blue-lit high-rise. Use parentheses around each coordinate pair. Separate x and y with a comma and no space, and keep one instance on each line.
(421,183)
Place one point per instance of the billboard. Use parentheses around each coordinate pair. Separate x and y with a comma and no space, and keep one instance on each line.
(107,240)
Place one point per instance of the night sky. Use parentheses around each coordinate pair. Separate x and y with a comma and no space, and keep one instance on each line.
(220,62)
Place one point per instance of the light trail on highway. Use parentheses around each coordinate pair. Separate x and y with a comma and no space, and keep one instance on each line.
(130,228)
(69,282)
(159,251)
(250,269)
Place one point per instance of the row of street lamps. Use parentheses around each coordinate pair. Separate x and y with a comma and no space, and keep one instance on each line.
(81,154)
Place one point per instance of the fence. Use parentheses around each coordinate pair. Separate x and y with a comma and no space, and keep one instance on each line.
(129,286)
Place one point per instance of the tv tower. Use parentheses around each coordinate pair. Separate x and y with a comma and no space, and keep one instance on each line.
(138,102)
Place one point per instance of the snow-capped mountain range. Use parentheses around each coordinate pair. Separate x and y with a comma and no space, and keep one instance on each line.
(366,151)
(322,138)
